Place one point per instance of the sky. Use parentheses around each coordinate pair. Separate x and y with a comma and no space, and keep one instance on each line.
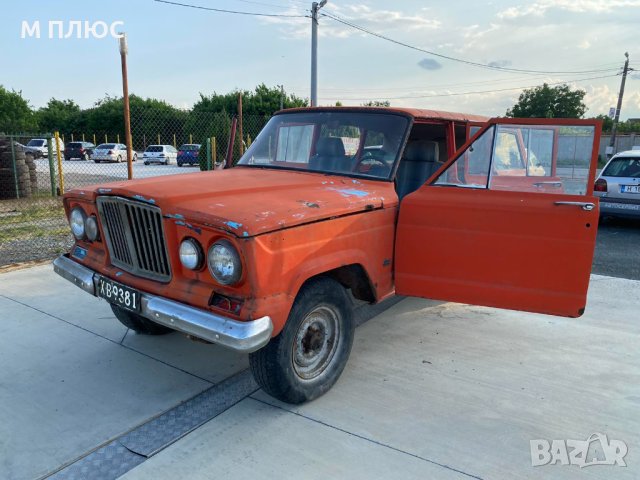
(177,53)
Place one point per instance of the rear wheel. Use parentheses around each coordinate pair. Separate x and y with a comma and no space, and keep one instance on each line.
(138,323)
(85,157)
(306,359)
(119,159)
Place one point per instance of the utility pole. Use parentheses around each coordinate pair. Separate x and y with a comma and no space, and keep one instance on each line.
(614,128)
(315,8)
(125,97)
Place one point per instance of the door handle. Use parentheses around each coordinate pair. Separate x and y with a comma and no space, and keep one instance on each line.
(588,206)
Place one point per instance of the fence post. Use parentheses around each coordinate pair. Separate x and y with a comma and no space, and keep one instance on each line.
(118,138)
(52,172)
(60,172)
(191,138)
(105,138)
(83,137)
(15,167)
(94,139)
(158,139)
(208,154)
(174,141)
(72,137)
(215,152)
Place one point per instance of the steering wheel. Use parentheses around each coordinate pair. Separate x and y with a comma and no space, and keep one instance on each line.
(370,161)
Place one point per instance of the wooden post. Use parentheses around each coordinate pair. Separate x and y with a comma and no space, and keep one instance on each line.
(158,139)
(240,123)
(174,141)
(191,138)
(60,172)
(94,139)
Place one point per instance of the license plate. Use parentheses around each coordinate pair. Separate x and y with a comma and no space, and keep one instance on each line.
(630,189)
(119,294)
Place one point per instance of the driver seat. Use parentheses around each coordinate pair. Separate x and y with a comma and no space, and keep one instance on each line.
(330,153)
(418,163)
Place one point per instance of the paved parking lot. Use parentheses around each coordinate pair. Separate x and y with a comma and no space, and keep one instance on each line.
(432,390)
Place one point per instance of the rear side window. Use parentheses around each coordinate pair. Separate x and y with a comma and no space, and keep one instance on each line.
(623,167)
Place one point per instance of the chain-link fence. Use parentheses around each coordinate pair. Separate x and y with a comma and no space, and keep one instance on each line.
(32,223)
(32,176)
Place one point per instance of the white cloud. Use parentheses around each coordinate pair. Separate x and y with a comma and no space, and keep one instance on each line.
(540,7)
(378,21)
(585,44)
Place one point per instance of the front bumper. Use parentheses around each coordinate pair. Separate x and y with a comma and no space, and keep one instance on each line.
(243,337)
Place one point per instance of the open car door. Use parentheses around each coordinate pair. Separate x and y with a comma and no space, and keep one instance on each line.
(510,221)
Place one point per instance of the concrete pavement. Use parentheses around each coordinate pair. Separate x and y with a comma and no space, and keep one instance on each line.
(432,390)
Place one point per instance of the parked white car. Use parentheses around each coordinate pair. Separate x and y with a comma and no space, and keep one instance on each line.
(111,152)
(40,145)
(165,154)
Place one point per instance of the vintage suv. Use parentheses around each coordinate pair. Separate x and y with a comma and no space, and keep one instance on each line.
(334,203)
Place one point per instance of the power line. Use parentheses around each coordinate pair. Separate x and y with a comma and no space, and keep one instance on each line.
(443,85)
(220,10)
(455,94)
(454,59)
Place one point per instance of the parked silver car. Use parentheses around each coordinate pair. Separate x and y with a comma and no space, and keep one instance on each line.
(618,185)
(111,152)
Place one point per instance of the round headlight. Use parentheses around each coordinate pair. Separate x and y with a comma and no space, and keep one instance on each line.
(77,220)
(191,254)
(91,228)
(224,262)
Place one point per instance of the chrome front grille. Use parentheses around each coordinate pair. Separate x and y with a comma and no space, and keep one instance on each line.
(134,235)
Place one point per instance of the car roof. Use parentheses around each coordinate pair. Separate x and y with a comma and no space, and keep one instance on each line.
(416,113)
(627,154)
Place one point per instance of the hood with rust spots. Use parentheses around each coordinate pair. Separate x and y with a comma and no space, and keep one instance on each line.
(251,201)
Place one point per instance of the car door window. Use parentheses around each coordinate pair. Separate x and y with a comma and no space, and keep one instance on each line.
(531,158)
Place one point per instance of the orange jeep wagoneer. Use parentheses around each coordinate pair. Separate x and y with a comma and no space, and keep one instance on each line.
(334,203)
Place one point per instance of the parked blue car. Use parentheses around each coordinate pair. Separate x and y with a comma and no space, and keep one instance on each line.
(188,154)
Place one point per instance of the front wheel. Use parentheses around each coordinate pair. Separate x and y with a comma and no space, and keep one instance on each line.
(138,323)
(306,359)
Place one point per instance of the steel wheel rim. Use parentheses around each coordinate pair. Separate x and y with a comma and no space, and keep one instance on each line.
(316,342)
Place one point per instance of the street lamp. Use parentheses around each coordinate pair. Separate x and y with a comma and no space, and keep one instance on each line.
(315,7)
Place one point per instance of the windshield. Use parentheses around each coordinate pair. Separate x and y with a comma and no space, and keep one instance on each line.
(350,143)
(190,147)
(106,146)
(623,167)
(35,143)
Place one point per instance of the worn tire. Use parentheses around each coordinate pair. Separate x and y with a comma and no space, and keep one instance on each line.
(138,323)
(306,359)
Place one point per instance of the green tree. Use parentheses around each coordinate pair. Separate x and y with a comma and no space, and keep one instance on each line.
(60,115)
(15,113)
(549,102)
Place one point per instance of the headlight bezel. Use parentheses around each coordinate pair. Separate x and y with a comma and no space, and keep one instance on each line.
(83,216)
(236,276)
(197,249)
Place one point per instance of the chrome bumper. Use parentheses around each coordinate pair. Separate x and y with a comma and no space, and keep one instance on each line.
(243,337)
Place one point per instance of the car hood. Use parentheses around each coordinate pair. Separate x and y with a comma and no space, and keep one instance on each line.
(251,201)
